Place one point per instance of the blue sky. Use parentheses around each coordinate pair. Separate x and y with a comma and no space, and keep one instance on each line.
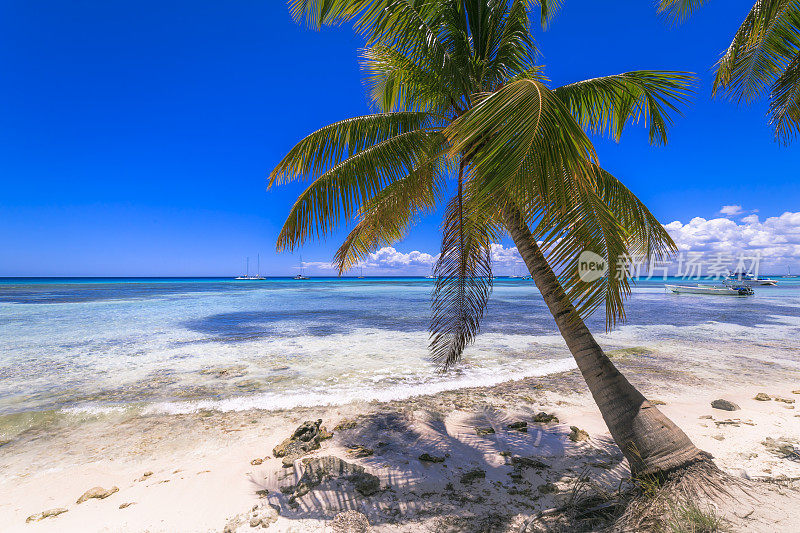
(136,136)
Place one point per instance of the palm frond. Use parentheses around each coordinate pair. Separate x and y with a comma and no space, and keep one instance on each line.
(512,48)
(463,279)
(588,225)
(679,10)
(521,124)
(605,105)
(385,219)
(340,192)
(329,146)
(548,9)
(569,216)
(647,237)
(316,13)
(762,48)
(396,81)
(784,105)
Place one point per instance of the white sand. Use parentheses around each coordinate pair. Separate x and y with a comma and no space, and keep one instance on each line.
(202,476)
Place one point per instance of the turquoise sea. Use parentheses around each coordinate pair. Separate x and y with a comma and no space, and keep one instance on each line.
(177,345)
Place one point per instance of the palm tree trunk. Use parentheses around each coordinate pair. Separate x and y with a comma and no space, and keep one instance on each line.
(651,442)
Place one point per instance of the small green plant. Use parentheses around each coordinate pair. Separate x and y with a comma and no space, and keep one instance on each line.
(688,517)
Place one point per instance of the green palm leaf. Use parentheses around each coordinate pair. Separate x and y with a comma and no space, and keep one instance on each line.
(785,102)
(340,192)
(605,105)
(385,219)
(329,146)
(679,10)
(463,278)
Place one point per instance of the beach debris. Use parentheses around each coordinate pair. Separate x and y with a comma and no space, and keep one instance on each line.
(473,475)
(545,418)
(784,400)
(3,442)
(762,397)
(782,447)
(97,492)
(225,372)
(484,431)
(249,385)
(735,422)
(257,461)
(577,434)
(260,515)
(319,469)
(126,504)
(628,352)
(724,405)
(428,458)
(526,462)
(796,392)
(359,451)
(350,522)
(519,426)
(145,475)
(657,402)
(50,513)
(548,488)
(347,423)
(305,439)
(706,417)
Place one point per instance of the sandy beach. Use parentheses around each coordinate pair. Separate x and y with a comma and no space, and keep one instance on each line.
(208,470)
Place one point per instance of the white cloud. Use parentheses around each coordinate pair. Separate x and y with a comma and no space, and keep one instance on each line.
(389,258)
(502,256)
(731,210)
(776,239)
(390,261)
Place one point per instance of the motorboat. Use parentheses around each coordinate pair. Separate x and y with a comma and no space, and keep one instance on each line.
(741,290)
(748,279)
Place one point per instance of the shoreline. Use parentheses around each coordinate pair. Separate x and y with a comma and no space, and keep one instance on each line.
(203,477)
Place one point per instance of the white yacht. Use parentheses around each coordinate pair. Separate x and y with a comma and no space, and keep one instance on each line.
(747,279)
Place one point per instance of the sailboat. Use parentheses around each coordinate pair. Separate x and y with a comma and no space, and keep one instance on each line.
(247,275)
(301,275)
(430,276)
(361,275)
(789,273)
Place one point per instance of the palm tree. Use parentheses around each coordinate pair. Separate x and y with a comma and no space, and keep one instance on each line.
(764,57)
(459,96)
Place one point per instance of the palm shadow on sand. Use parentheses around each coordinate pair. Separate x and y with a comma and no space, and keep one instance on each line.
(482,483)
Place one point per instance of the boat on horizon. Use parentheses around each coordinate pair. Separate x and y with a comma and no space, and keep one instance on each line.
(247,275)
(741,290)
(747,279)
(301,275)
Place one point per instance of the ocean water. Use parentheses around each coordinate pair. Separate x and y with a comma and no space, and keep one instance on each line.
(178,345)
